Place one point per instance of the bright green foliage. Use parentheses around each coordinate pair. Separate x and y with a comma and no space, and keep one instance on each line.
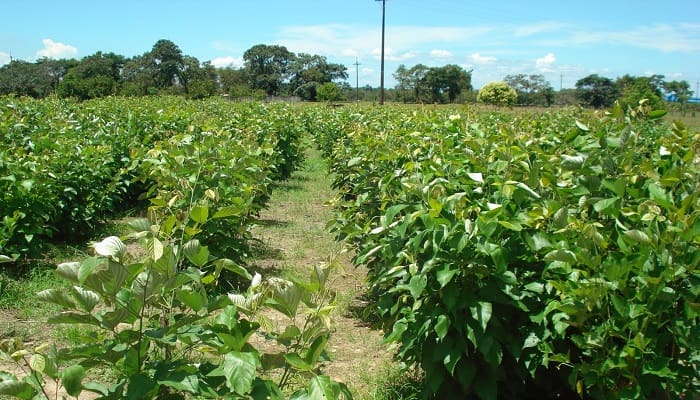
(70,165)
(546,257)
(162,327)
(497,93)
(328,91)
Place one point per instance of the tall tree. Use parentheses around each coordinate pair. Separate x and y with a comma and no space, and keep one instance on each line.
(308,71)
(597,91)
(633,89)
(168,63)
(267,67)
(448,80)
(411,85)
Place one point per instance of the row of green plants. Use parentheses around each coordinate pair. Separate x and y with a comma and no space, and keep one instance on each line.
(160,326)
(169,309)
(548,255)
(69,166)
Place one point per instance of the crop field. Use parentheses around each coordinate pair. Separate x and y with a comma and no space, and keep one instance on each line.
(242,250)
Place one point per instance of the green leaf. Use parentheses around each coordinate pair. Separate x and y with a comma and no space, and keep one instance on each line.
(86,298)
(5,259)
(580,125)
(226,212)
(74,318)
(57,297)
(229,265)
(442,326)
(315,350)
(605,204)
(572,163)
(417,284)
(199,214)
(239,371)
(72,378)
(354,161)
(445,275)
(562,255)
(482,313)
(111,246)
(528,190)
(656,114)
(638,236)
(296,362)
(196,253)
(10,386)
(37,362)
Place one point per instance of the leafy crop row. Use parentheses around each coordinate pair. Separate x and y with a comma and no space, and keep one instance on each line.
(548,256)
(67,166)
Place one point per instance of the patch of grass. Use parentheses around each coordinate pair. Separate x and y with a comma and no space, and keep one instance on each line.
(391,383)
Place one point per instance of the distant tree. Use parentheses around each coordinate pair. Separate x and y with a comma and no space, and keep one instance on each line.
(566,97)
(97,75)
(448,80)
(137,76)
(328,91)
(167,63)
(267,67)
(233,81)
(411,85)
(198,81)
(634,89)
(531,89)
(679,91)
(597,91)
(307,71)
(37,79)
(497,93)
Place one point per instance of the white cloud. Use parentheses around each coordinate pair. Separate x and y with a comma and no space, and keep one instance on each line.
(437,53)
(537,28)
(545,63)
(479,59)
(354,40)
(391,55)
(682,38)
(228,61)
(56,50)
(4,58)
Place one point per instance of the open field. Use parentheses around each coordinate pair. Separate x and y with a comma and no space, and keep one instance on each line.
(211,248)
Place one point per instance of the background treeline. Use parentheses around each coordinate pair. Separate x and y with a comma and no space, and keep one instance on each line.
(272,70)
(267,71)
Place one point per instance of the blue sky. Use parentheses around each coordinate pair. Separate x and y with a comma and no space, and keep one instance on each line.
(493,38)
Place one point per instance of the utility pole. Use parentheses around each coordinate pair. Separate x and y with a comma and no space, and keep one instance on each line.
(381,76)
(357,80)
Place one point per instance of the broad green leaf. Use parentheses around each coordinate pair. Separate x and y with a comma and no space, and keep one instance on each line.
(37,362)
(199,214)
(140,225)
(572,163)
(315,350)
(111,246)
(72,378)
(562,255)
(580,125)
(445,275)
(155,248)
(5,259)
(531,341)
(239,371)
(528,190)
(226,212)
(73,318)
(86,298)
(417,284)
(354,161)
(196,253)
(441,326)
(605,204)
(638,236)
(476,176)
(58,297)
(10,386)
(229,265)
(482,312)
(656,114)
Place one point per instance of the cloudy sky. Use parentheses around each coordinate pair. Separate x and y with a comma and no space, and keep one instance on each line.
(564,41)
